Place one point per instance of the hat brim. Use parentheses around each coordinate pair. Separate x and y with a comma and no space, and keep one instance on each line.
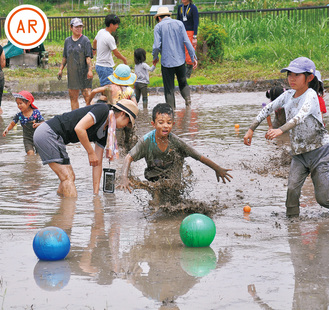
(128,82)
(74,25)
(16,95)
(161,14)
(122,108)
(294,70)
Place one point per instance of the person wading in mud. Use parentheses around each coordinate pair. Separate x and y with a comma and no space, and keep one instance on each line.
(94,123)
(188,13)
(77,56)
(308,137)
(164,152)
(170,39)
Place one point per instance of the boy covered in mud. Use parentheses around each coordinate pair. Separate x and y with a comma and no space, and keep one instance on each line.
(164,152)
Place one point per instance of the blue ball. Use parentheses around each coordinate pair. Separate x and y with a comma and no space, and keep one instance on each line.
(51,243)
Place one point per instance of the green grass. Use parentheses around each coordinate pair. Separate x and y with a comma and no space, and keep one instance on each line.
(65,8)
(274,42)
(254,50)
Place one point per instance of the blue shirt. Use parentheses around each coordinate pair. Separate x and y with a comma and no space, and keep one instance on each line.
(35,117)
(170,39)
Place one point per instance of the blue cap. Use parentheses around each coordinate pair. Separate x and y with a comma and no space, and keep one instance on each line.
(300,65)
(318,75)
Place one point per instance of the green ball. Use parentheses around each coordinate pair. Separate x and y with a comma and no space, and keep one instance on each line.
(197,230)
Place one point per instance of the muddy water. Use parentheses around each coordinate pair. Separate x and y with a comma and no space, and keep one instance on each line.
(124,255)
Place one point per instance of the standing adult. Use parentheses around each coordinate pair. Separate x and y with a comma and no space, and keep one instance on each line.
(170,39)
(104,44)
(77,56)
(2,76)
(188,13)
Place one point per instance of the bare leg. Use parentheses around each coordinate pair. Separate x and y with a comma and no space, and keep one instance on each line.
(66,176)
(86,93)
(30,152)
(74,97)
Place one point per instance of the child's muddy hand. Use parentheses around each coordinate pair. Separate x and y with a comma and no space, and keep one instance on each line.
(273,133)
(125,185)
(222,173)
(248,137)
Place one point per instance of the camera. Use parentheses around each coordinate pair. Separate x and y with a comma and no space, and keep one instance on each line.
(108,180)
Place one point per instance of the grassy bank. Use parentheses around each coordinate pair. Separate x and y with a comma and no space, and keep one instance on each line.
(77,8)
(254,50)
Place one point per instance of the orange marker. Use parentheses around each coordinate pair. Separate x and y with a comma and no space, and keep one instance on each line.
(246,209)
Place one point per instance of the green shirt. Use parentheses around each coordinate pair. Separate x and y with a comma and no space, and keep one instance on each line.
(167,164)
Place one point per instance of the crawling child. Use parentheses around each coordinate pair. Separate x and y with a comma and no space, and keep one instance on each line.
(164,152)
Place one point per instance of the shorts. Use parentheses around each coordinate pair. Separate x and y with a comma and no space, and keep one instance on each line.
(50,146)
(103,74)
(28,132)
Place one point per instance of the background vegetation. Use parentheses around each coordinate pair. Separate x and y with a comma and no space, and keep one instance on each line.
(77,7)
(247,49)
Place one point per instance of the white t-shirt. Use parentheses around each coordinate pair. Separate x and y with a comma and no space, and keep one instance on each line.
(105,45)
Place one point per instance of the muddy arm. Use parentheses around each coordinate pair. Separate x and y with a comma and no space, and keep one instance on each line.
(81,130)
(125,183)
(93,93)
(60,72)
(9,127)
(220,172)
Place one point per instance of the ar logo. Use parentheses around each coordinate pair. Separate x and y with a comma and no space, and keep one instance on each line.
(31,26)
(26,26)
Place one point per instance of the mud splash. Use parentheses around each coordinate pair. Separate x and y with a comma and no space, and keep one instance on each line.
(171,196)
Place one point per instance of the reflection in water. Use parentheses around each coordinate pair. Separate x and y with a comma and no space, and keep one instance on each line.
(186,122)
(158,265)
(198,262)
(116,247)
(31,177)
(252,291)
(309,254)
(52,276)
(64,216)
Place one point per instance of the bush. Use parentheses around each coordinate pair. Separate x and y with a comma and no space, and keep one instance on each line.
(130,36)
(211,37)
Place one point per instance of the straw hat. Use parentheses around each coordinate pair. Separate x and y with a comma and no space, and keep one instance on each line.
(128,107)
(162,10)
(122,76)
